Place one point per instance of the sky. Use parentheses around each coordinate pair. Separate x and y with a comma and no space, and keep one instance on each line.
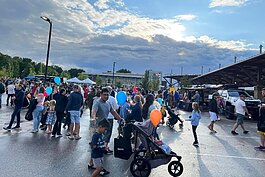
(162,35)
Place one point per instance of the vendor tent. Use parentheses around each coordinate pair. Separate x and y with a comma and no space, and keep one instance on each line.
(73,80)
(88,81)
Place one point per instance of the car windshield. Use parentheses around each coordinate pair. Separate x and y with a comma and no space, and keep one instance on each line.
(238,93)
(233,94)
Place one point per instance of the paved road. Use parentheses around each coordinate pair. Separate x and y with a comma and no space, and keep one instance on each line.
(221,155)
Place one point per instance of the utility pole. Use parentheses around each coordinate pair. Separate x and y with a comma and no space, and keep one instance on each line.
(113,76)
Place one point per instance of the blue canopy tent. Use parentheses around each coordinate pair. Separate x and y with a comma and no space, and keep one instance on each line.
(30,77)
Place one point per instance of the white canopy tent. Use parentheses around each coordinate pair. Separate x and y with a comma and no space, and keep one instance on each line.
(73,80)
(88,81)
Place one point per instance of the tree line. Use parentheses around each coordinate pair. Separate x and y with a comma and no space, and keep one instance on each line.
(17,67)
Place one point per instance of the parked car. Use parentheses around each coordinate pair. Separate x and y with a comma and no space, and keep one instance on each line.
(230,96)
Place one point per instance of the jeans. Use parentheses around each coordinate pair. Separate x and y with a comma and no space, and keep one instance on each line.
(108,132)
(36,117)
(15,113)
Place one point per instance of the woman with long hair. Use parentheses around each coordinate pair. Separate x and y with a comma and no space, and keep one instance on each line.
(39,108)
(148,106)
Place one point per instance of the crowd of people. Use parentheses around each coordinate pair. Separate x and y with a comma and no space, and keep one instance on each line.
(66,103)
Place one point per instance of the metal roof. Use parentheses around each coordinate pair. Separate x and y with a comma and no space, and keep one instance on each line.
(249,72)
(180,77)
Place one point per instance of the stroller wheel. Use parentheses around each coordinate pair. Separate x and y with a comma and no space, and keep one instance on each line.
(175,168)
(140,168)
(139,154)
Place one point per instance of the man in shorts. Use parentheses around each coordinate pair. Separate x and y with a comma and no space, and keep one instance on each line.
(213,111)
(74,105)
(241,111)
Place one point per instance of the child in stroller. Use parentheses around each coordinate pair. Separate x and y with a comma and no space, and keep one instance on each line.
(152,153)
(173,118)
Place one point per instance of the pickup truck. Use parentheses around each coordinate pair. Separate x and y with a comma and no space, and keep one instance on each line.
(230,96)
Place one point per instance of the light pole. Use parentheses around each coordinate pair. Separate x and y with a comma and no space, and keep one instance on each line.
(49,44)
(113,70)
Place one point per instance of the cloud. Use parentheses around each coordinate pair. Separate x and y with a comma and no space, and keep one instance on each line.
(223,3)
(92,36)
(187,17)
(232,45)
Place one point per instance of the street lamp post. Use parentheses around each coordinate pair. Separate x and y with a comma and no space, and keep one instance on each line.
(113,78)
(49,44)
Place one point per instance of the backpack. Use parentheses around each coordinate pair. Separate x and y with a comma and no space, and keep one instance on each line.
(2,88)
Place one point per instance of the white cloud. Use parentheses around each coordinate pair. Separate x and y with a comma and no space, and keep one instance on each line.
(222,3)
(92,36)
(232,45)
(187,17)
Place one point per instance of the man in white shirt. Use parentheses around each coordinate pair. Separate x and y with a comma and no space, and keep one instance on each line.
(241,111)
(108,133)
(10,93)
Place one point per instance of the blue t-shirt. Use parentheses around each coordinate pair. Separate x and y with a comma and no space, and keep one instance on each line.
(98,141)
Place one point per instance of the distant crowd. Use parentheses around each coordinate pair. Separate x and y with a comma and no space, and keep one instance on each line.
(50,105)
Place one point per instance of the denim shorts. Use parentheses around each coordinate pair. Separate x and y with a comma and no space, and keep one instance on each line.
(97,162)
(75,117)
(239,119)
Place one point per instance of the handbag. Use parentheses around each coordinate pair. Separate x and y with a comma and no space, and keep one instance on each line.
(33,104)
(122,148)
(29,115)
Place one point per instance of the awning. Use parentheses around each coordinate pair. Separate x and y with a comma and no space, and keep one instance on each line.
(73,80)
(88,81)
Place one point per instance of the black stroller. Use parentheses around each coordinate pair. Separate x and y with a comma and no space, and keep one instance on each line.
(146,156)
(173,119)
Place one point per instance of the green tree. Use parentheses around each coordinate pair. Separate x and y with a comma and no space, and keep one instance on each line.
(74,72)
(58,69)
(65,74)
(154,83)
(123,71)
(52,72)
(39,69)
(145,80)
(99,80)
(82,76)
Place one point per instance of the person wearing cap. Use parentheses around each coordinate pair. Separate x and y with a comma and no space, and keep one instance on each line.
(241,110)
(18,100)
